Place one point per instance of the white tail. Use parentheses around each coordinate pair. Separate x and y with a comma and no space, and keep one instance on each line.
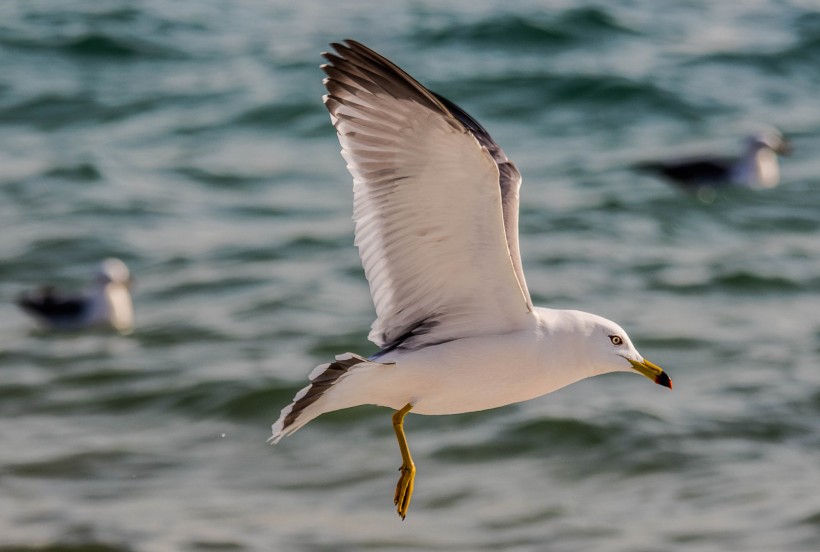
(317,398)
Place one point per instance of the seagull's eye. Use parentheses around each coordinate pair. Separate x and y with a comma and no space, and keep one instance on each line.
(616,340)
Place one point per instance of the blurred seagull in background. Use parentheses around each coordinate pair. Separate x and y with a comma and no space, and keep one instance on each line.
(435,205)
(758,167)
(106,304)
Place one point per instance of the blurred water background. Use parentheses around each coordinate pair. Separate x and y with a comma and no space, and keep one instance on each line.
(189,139)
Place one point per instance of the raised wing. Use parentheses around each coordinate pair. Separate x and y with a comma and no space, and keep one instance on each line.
(509,180)
(435,206)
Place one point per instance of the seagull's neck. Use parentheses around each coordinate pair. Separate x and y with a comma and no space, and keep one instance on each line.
(111,303)
(563,353)
(758,168)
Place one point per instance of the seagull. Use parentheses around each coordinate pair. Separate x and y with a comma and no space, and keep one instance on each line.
(758,167)
(435,206)
(106,304)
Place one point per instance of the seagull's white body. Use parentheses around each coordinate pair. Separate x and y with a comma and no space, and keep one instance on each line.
(469,374)
(436,215)
(418,378)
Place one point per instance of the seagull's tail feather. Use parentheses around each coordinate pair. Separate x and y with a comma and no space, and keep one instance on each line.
(318,397)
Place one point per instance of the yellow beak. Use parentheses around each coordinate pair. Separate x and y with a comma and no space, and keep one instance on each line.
(652,371)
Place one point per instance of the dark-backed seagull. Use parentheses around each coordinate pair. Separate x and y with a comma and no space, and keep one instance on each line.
(758,167)
(435,205)
(106,304)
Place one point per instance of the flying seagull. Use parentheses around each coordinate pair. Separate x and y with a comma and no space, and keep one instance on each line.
(435,205)
(758,167)
(106,304)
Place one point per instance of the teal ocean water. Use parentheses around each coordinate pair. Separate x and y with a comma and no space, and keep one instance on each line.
(189,139)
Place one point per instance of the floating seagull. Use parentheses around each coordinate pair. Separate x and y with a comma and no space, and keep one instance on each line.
(436,224)
(756,168)
(106,304)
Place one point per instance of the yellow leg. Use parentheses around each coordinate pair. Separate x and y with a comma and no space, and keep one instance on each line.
(404,488)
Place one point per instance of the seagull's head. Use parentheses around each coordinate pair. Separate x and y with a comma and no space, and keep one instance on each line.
(771,139)
(609,349)
(112,271)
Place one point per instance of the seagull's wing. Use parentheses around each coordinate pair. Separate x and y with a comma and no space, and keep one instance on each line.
(435,206)
(509,180)
(693,171)
(51,305)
